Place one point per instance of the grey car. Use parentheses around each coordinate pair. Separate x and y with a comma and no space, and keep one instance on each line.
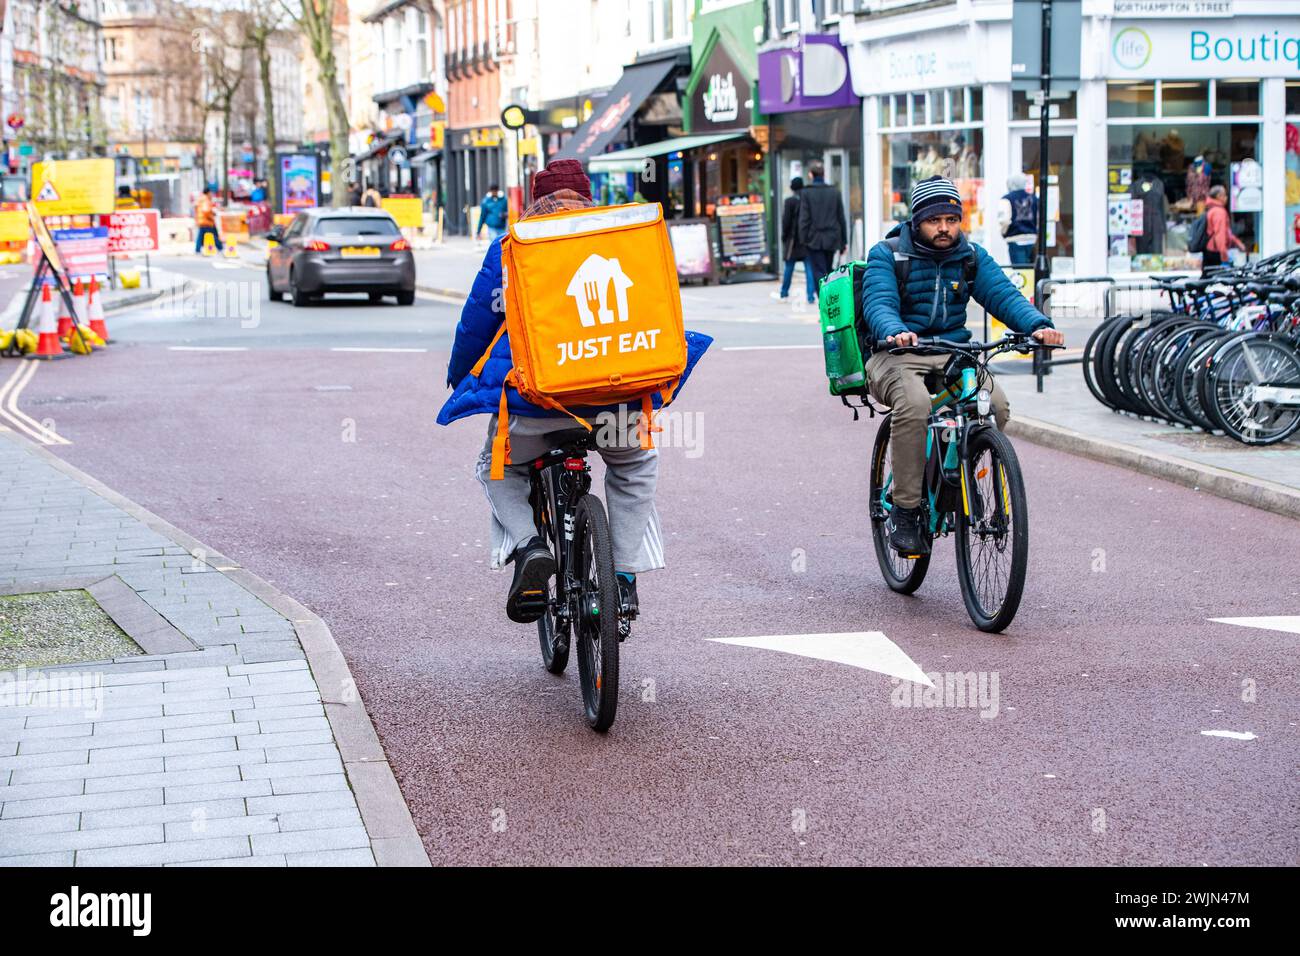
(356,249)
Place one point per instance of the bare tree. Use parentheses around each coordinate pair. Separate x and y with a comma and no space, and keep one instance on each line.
(316,18)
(220,41)
(265,18)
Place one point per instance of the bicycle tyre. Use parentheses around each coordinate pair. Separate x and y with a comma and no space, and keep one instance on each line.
(1091,359)
(1283,370)
(1106,377)
(555,642)
(1171,365)
(1152,368)
(903,575)
(597,613)
(1007,496)
(1194,360)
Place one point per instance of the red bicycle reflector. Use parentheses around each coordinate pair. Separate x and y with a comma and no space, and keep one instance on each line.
(574,464)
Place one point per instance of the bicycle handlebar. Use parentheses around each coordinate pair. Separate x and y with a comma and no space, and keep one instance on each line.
(1008,341)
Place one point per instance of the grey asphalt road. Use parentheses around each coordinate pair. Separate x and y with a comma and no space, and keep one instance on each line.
(324,472)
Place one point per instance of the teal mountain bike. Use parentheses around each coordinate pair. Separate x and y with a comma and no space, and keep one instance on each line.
(973,486)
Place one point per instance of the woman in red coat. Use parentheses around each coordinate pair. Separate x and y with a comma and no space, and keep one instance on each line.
(1219,237)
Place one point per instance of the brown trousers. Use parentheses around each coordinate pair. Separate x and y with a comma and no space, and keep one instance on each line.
(900,382)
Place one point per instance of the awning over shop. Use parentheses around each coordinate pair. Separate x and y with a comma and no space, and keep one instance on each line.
(380,145)
(426,156)
(633,88)
(633,160)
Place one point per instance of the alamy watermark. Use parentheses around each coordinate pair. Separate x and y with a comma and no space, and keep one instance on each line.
(58,690)
(969,689)
(240,300)
(671,429)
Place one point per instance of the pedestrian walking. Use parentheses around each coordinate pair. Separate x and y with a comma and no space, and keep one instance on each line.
(791,250)
(1018,219)
(823,230)
(492,213)
(205,217)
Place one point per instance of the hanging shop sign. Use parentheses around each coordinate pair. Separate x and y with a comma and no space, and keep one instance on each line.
(723,98)
(1247,47)
(814,75)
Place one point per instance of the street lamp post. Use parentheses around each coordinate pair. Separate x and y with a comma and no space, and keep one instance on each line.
(1041,268)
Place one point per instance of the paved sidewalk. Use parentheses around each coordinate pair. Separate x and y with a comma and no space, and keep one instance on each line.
(239,741)
(1075,421)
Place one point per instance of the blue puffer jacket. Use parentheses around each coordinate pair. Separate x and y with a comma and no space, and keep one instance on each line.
(934,302)
(478,323)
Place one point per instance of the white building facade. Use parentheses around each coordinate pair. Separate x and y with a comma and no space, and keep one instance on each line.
(1174,96)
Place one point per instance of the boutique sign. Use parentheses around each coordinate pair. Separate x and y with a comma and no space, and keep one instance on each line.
(1172,49)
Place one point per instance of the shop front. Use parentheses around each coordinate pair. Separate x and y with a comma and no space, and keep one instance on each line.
(805,90)
(474,163)
(1192,104)
(727,177)
(933,103)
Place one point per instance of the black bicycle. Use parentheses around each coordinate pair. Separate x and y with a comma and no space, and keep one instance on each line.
(972,486)
(584,598)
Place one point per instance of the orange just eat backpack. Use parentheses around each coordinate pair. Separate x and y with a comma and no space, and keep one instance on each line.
(593,312)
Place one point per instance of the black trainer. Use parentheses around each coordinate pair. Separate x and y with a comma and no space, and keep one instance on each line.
(905,535)
(629,606)
(534,567)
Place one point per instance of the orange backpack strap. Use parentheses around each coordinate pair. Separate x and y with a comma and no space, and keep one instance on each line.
(645,425)
(501,440)
(669,390)
(477,370)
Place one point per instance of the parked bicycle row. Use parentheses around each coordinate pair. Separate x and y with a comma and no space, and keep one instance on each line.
(1224,357)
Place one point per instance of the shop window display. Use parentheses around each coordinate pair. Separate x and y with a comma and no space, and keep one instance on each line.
(953,154)
(1293,184)
(1159,178)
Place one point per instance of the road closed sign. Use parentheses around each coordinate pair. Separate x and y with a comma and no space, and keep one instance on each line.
(133,230)
(73,187)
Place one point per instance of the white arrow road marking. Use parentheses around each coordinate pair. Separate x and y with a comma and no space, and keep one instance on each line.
(1290,625)
(1231,734)
(870,650)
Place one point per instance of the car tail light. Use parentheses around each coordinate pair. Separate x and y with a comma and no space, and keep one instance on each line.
(316,245)
(401,245)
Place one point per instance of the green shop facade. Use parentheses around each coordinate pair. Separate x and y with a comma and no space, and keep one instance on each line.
(728,166)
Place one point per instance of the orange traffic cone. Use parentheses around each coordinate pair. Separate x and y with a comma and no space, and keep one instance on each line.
(65,319)
(47,345)
(97,311)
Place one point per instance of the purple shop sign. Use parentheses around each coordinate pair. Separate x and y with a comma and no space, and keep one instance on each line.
(811,76)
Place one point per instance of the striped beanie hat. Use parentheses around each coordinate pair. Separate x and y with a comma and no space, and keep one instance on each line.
(935,196)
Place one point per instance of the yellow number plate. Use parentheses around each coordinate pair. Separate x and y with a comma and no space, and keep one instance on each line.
(359,252)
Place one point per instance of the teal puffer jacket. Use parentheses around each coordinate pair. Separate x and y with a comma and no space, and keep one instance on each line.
(933,305)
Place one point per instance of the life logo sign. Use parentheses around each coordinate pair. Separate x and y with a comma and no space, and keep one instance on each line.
(599,291)
(1131,48)
(721,104)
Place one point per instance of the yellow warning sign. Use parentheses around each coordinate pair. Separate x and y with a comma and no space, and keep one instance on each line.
(73,187)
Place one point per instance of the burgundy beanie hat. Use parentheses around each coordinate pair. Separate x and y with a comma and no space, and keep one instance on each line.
(562,174)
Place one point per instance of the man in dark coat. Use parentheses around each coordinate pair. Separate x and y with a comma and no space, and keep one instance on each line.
(822,227)
(791,251)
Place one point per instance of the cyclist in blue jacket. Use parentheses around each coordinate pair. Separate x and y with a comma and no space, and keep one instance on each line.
(631,472)
(917,284)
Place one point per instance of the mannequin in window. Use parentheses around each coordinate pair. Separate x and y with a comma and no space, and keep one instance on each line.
(1151,190)
(1173,153)
(1198,182)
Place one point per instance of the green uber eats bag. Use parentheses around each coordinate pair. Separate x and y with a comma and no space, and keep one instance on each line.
(840,304)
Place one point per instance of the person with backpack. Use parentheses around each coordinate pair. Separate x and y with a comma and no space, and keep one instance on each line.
(1218,237)
(631,471)
(917,284)
(792,251)
(822,229)
(492,213)
(1018,219)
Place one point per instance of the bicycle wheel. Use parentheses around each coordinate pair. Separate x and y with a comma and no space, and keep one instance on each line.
(903,575)
(1091,358)
(992,531)
(1158,356)
(597,612)
(1173,364)
(1106,362)
(1231,385)
(1192,361)
(551,634)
